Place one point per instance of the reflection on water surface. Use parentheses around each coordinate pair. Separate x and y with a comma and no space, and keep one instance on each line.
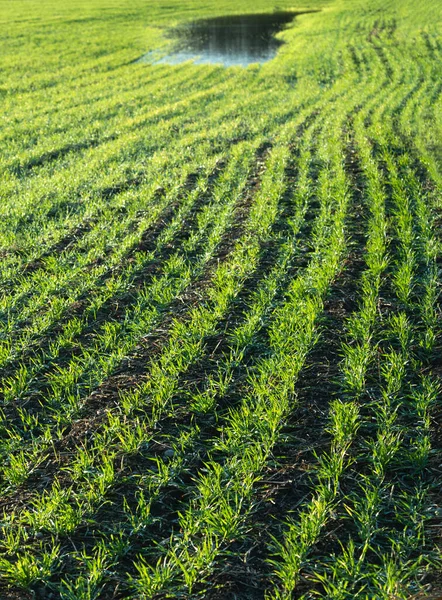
(234,40)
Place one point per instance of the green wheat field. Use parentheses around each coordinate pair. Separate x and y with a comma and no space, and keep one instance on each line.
(220,318)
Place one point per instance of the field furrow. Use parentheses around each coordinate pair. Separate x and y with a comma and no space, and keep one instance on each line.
(220,315)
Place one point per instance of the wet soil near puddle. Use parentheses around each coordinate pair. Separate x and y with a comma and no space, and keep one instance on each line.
(238,40)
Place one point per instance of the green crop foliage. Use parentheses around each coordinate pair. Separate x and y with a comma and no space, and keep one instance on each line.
(220,318)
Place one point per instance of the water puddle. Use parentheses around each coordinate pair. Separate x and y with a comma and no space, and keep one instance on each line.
(233,40)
